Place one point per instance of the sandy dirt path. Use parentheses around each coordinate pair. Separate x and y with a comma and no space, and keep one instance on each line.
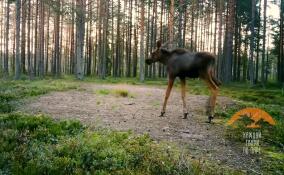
(139,112)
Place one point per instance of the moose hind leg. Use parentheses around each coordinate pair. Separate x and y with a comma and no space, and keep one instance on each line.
(183,92)
(212,99)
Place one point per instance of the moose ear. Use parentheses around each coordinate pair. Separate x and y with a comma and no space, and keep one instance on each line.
(159,44)
(165,51)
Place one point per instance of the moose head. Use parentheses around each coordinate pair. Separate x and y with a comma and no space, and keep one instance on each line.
(160,54)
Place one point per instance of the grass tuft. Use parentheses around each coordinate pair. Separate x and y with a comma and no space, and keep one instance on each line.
(103,91)
(116,92)
(121,93)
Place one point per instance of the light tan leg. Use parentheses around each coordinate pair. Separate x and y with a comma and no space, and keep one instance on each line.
(212,99)
(168,92)
(183,91)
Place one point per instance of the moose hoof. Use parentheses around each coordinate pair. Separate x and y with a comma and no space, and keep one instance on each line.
(162,114)
(210,118)
(185,115)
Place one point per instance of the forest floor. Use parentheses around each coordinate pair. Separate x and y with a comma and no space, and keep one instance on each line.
(137,107)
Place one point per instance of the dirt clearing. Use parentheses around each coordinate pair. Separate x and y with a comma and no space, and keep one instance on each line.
(104,106)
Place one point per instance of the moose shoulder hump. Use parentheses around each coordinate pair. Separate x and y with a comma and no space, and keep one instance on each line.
(179,51)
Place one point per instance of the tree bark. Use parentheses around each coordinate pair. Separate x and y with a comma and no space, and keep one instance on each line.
(228,50)
(171,24)
(80,34)
(29,56)
(251,57)
(23,37)
(220,33)
(56,42)
(263,44)
(36,40)
(142,25)
(41,41)
(72,43)
(18,20)
(117,50)
(281,45)
(6,58)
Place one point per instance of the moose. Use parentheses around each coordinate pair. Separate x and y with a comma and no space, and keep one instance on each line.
(182,63)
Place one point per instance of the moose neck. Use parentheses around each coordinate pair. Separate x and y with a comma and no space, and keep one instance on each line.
(165,58)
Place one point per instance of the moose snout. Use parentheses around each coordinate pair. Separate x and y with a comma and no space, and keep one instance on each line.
(149,61)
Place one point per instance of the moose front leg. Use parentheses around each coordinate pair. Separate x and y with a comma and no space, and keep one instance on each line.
(183,91)
(168,92)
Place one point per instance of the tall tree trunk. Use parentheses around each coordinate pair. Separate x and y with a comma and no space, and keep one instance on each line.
(154,35)
(251,65)
(6,58)
(14,49)
(129,38)
(245,56)
(239,52)
(99,33)
(29,56)
(151,39)
(220,34)
(90,45)
(80,34)
(1,37)
(192,26)
(228,50)
(56,43)
(112,37)
(263,44)
(135,52)
(36,40)
(180,15)
(236,42)
(171,24)
(103,41)
(184,24)
(142,25)
(72,43)
(23,37)
(18,20)
(60,65)
(135,49)
(41,41)
(46,58)
(161,34)
(281,45)
(258,45)
(117,50)
(147,38)
(196,26)
(215,30)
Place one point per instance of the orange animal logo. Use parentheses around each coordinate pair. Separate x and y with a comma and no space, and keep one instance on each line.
(255,114)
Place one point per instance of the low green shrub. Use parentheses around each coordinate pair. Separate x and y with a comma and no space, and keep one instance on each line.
(13,91)
(39,145)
